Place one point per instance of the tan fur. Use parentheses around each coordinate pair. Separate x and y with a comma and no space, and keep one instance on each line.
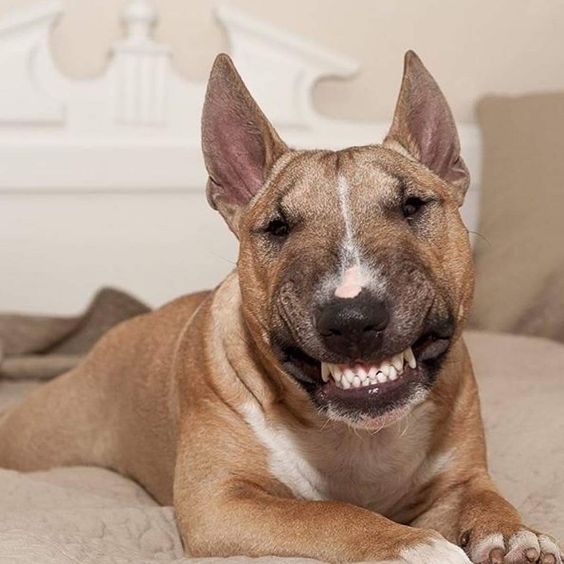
(192,402)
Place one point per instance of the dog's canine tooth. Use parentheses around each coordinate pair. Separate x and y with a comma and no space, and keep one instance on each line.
(337,373)
(325,372)
(410,357)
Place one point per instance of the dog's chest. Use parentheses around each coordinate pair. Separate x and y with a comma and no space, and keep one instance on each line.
(372,470)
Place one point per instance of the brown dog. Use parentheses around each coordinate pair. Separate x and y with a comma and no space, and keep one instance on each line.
(320,402)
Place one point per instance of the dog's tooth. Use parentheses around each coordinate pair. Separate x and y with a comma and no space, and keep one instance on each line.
(336,374)
(410,357)
(348,375)
(372,372)
(361,373)
(381,377)
(385,367)
(356,382)
(345,384)
(393,373)
(397,362)
(325,372)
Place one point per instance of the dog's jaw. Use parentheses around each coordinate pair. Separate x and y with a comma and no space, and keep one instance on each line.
(370,395)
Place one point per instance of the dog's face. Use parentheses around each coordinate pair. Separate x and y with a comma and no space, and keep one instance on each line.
(355,267)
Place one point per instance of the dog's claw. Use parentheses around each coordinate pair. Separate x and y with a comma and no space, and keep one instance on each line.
(532,555)
(496,556)
(524,546)
(548,559)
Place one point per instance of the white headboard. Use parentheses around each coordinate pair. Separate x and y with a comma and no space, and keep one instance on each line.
(101,180)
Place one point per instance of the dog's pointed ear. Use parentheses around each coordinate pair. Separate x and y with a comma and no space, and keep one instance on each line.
(239,143)
(423,125)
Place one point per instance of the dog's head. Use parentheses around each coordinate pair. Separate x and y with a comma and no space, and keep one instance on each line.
(354,265)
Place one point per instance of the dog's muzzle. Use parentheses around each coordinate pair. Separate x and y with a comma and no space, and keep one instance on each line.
(368,363)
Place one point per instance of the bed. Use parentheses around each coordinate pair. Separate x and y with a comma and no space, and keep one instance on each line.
(92,515)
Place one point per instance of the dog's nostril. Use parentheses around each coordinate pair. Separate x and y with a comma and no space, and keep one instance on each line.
(330,333)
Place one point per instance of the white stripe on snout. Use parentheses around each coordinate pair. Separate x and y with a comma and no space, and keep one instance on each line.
(351,281)
(350,250)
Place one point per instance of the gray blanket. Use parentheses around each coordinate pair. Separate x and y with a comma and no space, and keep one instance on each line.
(42,346)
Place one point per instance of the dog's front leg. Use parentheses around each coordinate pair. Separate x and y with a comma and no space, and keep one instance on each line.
(244,519)
(227,503)
(255,523)
(476,517)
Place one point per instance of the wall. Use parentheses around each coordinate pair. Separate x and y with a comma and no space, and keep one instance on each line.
(472,46)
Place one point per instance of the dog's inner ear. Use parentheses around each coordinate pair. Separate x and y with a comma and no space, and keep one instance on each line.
(239,144)
(423,125)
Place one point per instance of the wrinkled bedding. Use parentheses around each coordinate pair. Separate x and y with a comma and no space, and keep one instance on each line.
(91,515)
(43,346)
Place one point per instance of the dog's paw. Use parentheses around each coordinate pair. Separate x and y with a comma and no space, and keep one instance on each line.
(436,550)
(520,547)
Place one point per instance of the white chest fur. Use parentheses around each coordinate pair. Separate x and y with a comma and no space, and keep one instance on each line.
(373,470)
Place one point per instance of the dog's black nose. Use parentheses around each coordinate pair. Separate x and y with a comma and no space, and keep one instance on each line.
(352,327)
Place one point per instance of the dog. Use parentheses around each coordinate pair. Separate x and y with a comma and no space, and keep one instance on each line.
(320,402)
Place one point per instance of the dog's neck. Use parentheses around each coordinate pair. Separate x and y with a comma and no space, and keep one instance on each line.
(246,355)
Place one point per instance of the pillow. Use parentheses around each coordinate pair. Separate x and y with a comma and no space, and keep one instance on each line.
(520,247)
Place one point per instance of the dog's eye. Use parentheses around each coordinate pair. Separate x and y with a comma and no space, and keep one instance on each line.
(278,228)
(411,206)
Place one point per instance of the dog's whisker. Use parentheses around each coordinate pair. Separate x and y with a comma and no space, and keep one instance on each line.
(483,237)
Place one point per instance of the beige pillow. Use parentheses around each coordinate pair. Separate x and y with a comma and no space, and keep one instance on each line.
(520,254)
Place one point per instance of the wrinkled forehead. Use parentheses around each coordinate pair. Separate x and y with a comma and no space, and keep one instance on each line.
(312,182)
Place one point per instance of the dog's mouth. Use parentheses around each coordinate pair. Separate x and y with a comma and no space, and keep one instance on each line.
(360,391)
